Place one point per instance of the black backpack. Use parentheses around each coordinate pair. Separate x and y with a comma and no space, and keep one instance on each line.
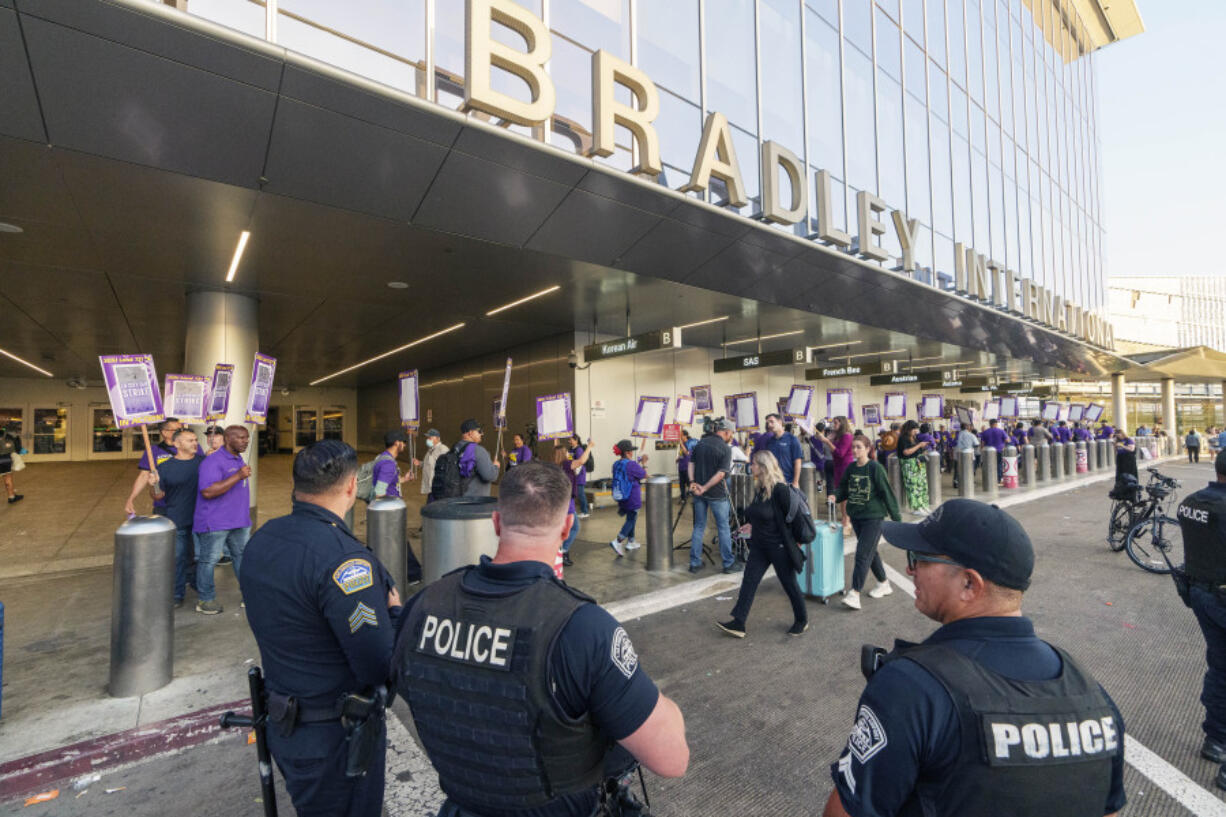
(590,465)
(799,518)
(447,480)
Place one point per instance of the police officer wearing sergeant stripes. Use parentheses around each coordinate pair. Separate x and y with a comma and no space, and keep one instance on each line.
(526,694)
(982,718)
(1202,519)
(323,611)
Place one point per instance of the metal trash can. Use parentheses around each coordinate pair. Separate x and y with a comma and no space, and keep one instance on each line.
(1028,465)
(1042,456)
(658,505)
(966,473)
(456,532)
(987,472)
(932,462)
(894,471)
(142,607)
(808,487)
(387,537)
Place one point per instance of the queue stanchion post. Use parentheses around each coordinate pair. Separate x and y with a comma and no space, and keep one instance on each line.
(1027,476)
(1009,474)
(987,473)
(932,462)
(142,606)
(894,471)
(387,537)
(1075,456)
(659,507)
(1042,455)
(966,473)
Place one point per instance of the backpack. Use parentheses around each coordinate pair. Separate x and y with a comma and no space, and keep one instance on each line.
(366,478)
(799,519)
(622,484)
(447,479)
(590,465)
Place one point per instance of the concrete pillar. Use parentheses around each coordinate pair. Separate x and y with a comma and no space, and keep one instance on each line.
(1214,421)
(1119,408)
(1170,420)
(223,327)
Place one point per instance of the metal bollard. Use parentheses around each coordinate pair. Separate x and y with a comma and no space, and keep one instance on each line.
(1091,456)
(1057,462)
(808,486)
(1100,451)
(966,473)
(659,503)
(387,537)
(1028,465)
(1042,456)
(894,470)
(987,472)
(1110,453)
(1009,475)
(932,461)
(142,607)
(1075,459)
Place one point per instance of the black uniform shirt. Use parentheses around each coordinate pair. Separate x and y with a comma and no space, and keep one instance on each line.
(914,723)
(712,454)
(317,604)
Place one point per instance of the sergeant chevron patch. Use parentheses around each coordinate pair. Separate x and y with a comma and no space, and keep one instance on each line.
(362,614)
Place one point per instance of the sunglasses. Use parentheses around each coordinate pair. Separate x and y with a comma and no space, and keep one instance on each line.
(914,558)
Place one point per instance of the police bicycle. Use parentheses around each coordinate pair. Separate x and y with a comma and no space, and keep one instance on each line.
(1130,507)
(1156,541)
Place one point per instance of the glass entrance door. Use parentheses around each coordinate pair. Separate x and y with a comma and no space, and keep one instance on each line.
(50,433)
(334,424)
(105,438)
(306,427)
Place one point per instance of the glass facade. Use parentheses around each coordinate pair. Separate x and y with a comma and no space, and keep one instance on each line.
(973,116)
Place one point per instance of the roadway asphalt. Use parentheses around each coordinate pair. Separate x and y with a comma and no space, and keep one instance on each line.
(767,715)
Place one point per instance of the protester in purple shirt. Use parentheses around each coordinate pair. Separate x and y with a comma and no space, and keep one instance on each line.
(628,469)
(1105,431)
(222,521)
(519,453)
(579,456)
(996,437)
(163,450)
(385,476)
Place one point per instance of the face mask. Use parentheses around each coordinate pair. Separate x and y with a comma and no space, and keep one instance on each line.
(430,442)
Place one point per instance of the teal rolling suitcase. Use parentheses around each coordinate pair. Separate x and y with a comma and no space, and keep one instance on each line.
(822,573)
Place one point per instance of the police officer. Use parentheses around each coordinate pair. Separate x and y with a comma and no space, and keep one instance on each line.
(323,612)
(524,691)
(1202,518)
(982,718)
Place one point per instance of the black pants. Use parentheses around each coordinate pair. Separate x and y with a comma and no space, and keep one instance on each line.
(868,533)
(1193,453)
(760,557)
(312,761)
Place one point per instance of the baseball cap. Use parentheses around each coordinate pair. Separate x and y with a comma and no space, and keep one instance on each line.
(469,425)
(396,436)
(433,432)
(973,534)
(724,424)
(623,446)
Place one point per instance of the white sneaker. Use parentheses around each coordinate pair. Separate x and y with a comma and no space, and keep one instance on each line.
(633,545)
(851,599)
(582,515)
(882,589)
(618,548)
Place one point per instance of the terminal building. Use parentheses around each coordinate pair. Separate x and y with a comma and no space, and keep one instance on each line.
(870,198)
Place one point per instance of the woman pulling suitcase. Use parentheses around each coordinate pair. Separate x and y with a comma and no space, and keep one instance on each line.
(866,490)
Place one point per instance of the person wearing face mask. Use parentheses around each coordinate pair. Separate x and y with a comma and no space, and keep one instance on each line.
(434,450)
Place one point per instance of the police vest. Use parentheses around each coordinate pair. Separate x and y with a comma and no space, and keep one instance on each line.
(1028,747)
(1200,519)
(476,677)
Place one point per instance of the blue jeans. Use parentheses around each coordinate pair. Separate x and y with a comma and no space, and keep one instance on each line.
(719,509)
(185,549)
(209,547)
(1211,616)
(580,496)
(572,536)
(627,531)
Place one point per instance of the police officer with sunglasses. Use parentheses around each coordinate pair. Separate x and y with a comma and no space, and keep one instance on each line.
(982,717)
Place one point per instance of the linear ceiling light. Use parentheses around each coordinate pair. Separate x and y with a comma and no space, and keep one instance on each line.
(26,363)
(870,354)
(764,337)
(440,333)
(918,359)
(703,323)
(553,288)
(238,254)
(834,345)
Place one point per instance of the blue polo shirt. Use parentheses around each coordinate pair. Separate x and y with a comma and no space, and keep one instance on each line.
(786,449)
(921,736)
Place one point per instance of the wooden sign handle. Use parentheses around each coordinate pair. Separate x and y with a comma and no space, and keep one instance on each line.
(153,465)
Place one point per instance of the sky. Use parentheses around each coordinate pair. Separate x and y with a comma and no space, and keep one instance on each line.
(1162,130)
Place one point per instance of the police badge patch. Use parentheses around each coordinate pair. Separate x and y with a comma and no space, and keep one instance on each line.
(867,736)
(623,653)
(354,575)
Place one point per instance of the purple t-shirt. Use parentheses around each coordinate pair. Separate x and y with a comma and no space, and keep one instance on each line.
(634,472)
(926,438)
(1063,433)
(1105,432)
(385,472)
(230,510)
(519,456)
(995,437)
(580,477)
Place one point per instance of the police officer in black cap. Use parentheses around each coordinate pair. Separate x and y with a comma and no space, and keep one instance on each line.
(1202,584)
(983,717)
(323,612)
(526,694)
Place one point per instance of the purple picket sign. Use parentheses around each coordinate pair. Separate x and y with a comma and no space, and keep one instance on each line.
(259,395)
(132,388)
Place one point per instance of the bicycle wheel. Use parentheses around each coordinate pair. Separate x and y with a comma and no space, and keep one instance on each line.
(1121,522)
(1155,544)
